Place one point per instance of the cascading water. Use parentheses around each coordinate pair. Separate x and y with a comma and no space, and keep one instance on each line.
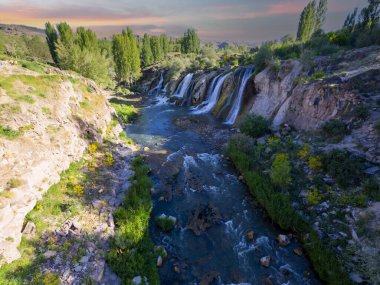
(183,86)
(235,109)
(209,93)
(158,89)
(213,98)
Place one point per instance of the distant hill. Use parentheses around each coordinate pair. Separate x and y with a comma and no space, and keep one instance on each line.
(21,30)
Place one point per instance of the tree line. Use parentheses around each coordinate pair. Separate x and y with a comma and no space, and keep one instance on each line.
(122,58)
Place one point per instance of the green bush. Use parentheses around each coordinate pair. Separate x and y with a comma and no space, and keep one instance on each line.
(371,187)
(343,166)
(126,113)
(132,251)
(335,129)
(8,133)
(362,112)
(254,126)
(263,57)
(165,223)
(279,208)
(280,170)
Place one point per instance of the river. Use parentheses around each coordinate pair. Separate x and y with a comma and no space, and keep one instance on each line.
(196,184)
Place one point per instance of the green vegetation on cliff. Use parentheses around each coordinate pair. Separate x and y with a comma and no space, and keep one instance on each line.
(132,251)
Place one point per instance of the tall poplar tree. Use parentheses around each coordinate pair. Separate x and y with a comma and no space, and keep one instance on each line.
(320,17)
(146,51)
(306,23)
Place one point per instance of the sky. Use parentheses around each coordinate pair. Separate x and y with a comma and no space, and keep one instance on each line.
(250,21)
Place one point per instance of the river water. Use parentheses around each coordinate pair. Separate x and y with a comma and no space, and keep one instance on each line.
(192,179)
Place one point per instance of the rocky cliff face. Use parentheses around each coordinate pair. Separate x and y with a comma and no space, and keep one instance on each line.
(46,121)
(307,97)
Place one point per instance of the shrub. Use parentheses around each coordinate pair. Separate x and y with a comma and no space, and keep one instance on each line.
(126,113)
(263,57)
(78,190)
(132,251)
(165,223)
(254,126)
(371,187)
(362,112)
(304,152)
(14,183)
(92,148)
(335,129)
(8,133)
(313,197)
(315,162)
(280,171)
(340,164)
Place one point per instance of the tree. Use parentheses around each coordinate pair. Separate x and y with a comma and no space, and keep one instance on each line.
(350,21)
(306,23)
(320,15)
(164,42)
(146,51)
(280,171)
(78,51)
(156,48)
(190,42)
(370,15)
(51,38)
(126,56)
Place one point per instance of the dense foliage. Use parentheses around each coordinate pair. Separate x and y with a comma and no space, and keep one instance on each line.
(190,43)
(132,251)
(79,51)
(254,125)
(126,56)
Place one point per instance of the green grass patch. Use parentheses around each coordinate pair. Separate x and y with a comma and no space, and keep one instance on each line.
(26,98)
(126,113)
(132,251)
(60,201)
(9,133)
(34,66)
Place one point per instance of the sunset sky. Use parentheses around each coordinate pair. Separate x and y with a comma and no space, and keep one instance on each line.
(233,20)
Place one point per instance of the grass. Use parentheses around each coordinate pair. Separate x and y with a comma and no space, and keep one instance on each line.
(132,251)
(34,66)
(9,133)
(279,208)
(126,113)
(25,270)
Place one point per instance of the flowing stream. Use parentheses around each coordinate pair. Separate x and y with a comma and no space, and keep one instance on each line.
(183,86)
(192,179)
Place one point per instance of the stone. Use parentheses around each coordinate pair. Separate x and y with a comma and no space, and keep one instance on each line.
(146,149)
(265,261)
(372,170)
(159,261)
(98,270)
(29,230)
(266,281)
(84,259)
(176,269)
(250,235)
(137,280)
(50,254)
(298,251)
(283,240)
(78,268)
(356,278)
(203,218)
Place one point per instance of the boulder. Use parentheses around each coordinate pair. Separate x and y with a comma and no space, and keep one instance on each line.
(29,230)
(283,240)
(265,261)
(159,261)
(250,235)
(203,218)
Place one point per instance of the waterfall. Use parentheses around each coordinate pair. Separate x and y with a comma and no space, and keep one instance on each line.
(216,87)
(183,86)
(158,89)
(235,109)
